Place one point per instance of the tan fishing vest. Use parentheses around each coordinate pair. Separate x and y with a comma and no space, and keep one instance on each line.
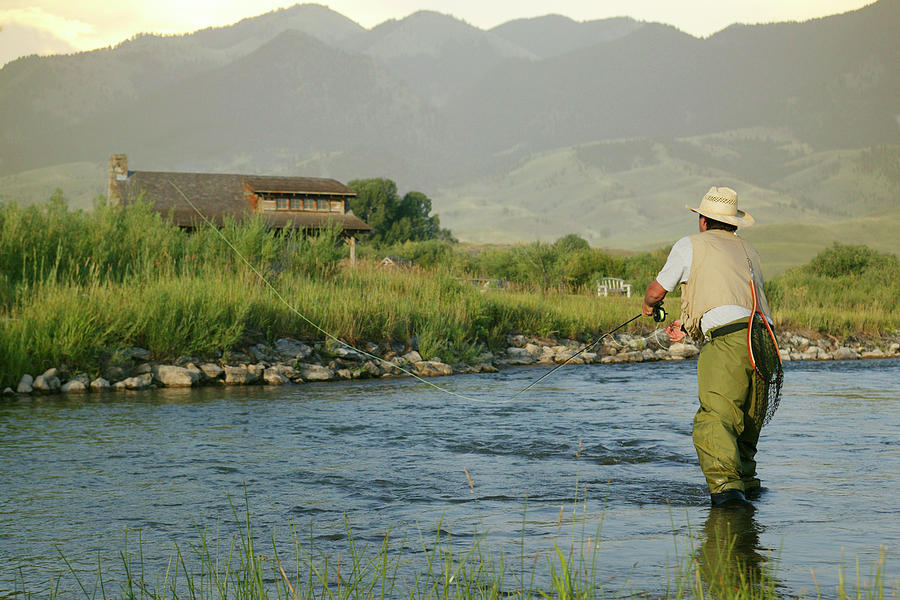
(719,276)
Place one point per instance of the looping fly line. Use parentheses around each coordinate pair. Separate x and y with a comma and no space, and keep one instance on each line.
(337,340)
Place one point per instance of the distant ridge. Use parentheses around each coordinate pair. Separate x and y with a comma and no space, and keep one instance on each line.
(534,128)
(552,35)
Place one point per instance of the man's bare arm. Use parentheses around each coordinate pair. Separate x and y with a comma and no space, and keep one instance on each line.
(653,296)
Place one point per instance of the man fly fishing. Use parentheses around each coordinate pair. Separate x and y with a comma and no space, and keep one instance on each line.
(739,372)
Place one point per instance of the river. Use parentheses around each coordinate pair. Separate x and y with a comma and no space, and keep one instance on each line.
(80,473)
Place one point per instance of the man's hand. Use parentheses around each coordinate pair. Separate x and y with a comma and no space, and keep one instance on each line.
(674,331)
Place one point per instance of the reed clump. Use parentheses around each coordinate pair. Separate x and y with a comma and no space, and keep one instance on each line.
(246,566)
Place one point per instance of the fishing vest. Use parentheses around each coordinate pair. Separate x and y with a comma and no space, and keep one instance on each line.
(719,276)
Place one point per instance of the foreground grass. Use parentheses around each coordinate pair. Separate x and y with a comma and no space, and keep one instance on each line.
(443,568)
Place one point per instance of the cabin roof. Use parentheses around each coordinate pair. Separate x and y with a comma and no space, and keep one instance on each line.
(218,195)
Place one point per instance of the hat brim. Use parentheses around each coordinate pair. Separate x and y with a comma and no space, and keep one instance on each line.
(741,219)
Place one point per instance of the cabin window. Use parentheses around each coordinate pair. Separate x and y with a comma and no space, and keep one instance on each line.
(295,204)
(337,206)
(321,204)
(281,203)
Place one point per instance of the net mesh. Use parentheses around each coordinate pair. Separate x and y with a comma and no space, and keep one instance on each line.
(769,373)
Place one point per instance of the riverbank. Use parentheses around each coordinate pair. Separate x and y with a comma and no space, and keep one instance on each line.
(289,361)
(80,291)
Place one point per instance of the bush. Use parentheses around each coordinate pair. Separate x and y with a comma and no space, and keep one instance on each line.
(842,260)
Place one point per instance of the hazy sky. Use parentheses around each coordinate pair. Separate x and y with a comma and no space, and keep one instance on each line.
(54,26)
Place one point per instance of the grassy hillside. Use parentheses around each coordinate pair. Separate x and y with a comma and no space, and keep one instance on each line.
(81,182)
(631,193)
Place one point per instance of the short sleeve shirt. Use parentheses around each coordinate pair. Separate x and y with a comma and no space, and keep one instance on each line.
(677,270)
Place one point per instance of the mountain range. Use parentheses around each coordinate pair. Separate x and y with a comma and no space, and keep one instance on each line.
(530,130)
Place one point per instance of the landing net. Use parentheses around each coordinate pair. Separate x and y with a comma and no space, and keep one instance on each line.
(766,361)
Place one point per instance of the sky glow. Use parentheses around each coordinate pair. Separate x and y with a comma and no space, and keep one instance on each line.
(62,26)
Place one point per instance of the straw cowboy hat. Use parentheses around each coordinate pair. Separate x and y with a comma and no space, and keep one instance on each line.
(720,203)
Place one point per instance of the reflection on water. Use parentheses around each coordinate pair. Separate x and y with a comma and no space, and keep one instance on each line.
(730,550)
(390,455)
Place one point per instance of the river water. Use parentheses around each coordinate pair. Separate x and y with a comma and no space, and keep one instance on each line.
(79,474)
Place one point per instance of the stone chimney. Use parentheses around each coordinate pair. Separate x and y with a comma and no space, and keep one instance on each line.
(118,171)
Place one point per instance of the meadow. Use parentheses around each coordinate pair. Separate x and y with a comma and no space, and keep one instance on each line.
(77,285)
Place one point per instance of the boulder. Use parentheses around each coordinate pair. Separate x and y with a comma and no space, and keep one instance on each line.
(612,360)
(293,349)
(349,354)
(74,387)
(119,386)
(237,376)
(312,372)
(534,350)
(894,348)
(486,368)
(47,385)
(201,376)
(518,356)
(256,371)
(273,377)
(344,374)
(172,376)
(115,373)
(373,368)
(8,391)
(648,354)
(434,368)
(139,382)
(518,341)
(99,385)
(876,353)
(784,354)
(212,370)
(845,353)
(261,352)
(547,355)
(412,357)
(143,369)
(811,353)
(634,356)
(564,354)
(25,384)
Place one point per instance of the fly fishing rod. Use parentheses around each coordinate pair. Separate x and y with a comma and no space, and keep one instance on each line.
(659,315)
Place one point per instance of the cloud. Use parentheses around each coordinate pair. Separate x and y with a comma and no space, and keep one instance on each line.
(18,40)
(74,32)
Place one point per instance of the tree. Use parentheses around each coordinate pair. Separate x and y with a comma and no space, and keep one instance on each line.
(572,242)
(392,218)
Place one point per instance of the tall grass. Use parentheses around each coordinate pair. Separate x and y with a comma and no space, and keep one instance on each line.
(76,286)
(844,290)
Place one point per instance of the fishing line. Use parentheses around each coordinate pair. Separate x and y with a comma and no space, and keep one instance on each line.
(659,315)
(315,326)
